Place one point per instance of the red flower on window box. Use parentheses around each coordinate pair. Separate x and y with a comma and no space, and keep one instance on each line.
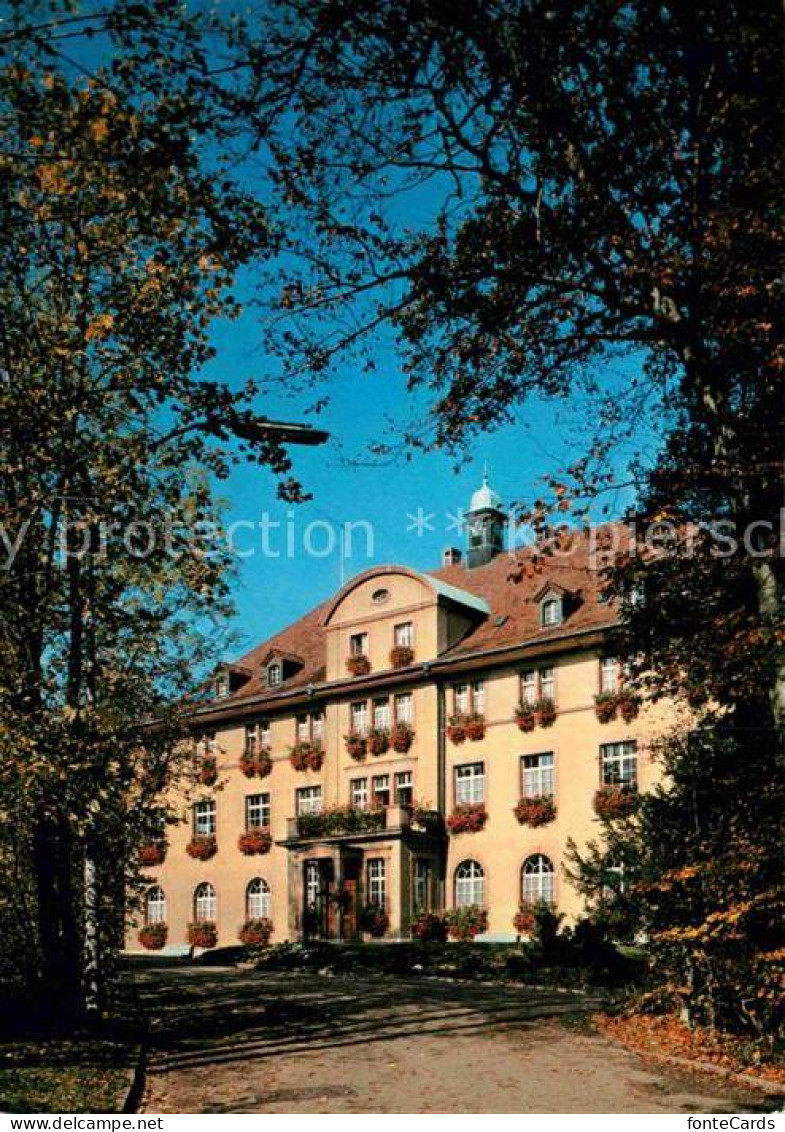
(523,921)
(153,936)
(306,755)
(545,712)
(373,920)
(475,727)
(536,811)
(256,933)
(429,926)
(605,706)
(524,717)
(203,934)
(152,854)
(356,746)
(208,772)
(456,728)
(615,802)
(358,665)
(256,840)
(378,740)
(629,705)
(468,817)
(253,763)
(465,923)
(202,846)
(401,656)
(402,737)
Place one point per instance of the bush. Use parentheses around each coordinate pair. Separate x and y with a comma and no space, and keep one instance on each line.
(373,920)
(467,922)
(429,927)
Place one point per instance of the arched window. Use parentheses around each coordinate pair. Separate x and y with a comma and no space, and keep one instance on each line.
(469,884)
(155,906)
(537,880)
(257,899)
(204,903)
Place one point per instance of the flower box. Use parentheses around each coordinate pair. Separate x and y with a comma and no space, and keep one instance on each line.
(465,923)
(545,712)
(456,728)
(339,820)
(378,740)
(203,934)
(629,706)
(256,840)
(256,933)
(153,936)
(202,846)
(208,771)
(524,920)
(605,706)
(615,802)
(469,817)
(475,727)
(430,927)
(401,656)
(358,665)
(306,755)
(256,763)
(356,746)
(373,920)
(401,737)
(152,854)
(536,811)
(524,717)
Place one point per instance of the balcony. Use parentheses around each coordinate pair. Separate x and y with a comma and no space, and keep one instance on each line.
(343,822)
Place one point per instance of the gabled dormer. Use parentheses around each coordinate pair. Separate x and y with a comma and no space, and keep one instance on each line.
(279,666)
(555,604)
(229,678)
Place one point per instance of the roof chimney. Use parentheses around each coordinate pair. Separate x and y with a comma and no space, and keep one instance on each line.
(451,556)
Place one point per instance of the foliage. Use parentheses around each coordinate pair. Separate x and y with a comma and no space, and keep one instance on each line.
(536,811)
(378,741)
(545,712)
(358,665)
(430,927)
(202,846)
(257,840)
(401,736)
(466,922)
(306,755)
(153,936)
(151,854)
(468,817)
(203,934)
(461,727)
(337,820)
(256,933)
(208,771)
(524,717)
(256,763)
(606,705)
(374,920)
(356,746)
(401,656)
(615,801)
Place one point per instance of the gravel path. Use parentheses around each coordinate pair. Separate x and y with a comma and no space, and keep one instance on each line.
(252,1042)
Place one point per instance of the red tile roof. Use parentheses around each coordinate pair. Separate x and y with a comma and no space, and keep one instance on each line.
(509,583)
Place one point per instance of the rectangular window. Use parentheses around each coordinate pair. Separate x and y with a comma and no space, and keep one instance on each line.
(358,714)
(404,634)
(358,644)
(609,674)
(274,675)
(381,789)
(403,788)
(478,697)
(257,811)
(469,783)
(317,726)
(250,738)
(421,885)
(537,775)
(303,729)
(358,792)
(308,800)
(381,714)
(265,733)
(204,818)
(548,683)
(529,687)
(404,707)
(377,882)
(619,764)
(461,694)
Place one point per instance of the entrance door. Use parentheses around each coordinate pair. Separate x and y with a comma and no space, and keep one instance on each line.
(351,884)
(317,887)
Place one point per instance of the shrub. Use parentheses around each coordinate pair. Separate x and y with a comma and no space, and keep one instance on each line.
(605,705)
(356,746)
(358,665)
(208,772)
(469,817)
(401,656)
(152,854)
(401,737)
(524,717)
(306,755)
(256,840)
(378,740)
(615,802)
(429,927)
(256,933)
(536,811)
(202,846)
(203,934)
(545,712)
(153,936)
(465,923)
(374,920)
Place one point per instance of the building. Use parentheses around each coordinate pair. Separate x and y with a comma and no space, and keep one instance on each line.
(419,741)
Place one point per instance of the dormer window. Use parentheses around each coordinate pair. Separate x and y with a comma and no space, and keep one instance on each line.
(551,611)
(222,685)
(274,675)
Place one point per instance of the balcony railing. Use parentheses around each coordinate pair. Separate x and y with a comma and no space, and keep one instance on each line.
(343,821)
